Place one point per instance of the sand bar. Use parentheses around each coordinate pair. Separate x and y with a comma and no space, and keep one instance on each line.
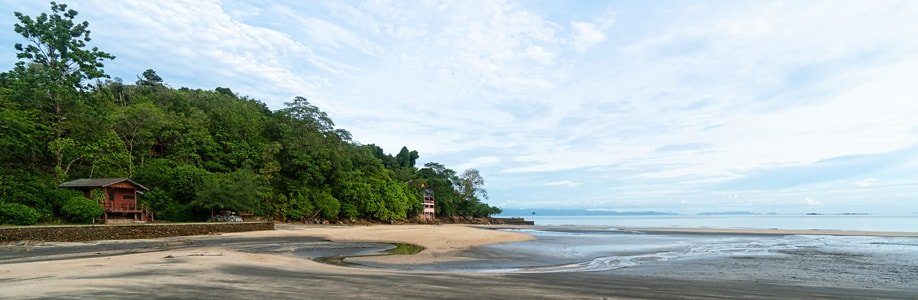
(441,242)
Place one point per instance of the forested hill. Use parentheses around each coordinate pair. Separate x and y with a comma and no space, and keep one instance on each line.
(197,150)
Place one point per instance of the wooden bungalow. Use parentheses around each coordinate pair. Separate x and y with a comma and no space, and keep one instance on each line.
(119,198)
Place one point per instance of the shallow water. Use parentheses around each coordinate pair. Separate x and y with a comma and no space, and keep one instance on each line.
(609,250)
(582,249)
(904,223)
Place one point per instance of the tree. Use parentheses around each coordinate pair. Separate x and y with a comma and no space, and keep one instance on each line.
(20,134)
(139,125)
(149,78)
(232,191)
(405,158)
(300,109)
(108,157)
(225,91)
(471,185)
(471,189)
(442,181)
(54,66)
(57,45)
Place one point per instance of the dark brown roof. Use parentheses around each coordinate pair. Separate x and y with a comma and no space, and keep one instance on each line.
(98,182)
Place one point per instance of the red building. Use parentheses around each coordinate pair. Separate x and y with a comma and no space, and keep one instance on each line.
(119,198)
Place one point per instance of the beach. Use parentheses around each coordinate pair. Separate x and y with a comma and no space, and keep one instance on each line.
(280,264)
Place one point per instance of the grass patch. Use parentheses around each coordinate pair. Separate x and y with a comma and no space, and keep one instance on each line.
(404,249)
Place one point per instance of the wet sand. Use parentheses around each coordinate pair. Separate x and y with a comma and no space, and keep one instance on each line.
(275,265)
(774,231)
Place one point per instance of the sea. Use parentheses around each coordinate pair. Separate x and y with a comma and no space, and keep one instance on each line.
(898,223)
(598,243)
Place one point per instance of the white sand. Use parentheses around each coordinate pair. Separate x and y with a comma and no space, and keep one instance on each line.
(441,242)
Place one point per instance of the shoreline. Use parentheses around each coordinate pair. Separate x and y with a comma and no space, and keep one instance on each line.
(771,231)
(707,230)
(271,264)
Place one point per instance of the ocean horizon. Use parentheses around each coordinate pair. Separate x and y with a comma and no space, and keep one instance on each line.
(897,223)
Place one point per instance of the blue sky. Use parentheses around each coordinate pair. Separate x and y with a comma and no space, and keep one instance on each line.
(684,106)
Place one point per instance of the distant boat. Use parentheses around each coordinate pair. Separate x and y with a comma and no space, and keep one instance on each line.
(533,213)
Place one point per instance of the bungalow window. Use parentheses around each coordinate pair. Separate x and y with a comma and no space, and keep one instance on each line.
(128,197)
(111,196)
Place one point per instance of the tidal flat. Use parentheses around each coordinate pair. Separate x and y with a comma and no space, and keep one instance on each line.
(460,261)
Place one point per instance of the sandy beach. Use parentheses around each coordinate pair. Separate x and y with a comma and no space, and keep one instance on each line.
(275,264)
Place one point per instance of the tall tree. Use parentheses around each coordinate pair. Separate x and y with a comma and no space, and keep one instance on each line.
(405,158)
(149,78)
(471,185)
(55,66)
(232,191)
(57,47)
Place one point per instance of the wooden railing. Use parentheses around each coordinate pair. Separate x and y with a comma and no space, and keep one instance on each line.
(143,212)
(111,206)
(147,213)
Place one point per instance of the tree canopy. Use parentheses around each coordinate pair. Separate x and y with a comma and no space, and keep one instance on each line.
(200,151)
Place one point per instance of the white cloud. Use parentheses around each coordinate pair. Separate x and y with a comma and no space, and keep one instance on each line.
(867,182)
(586,36)
(812,202)
(212,47)
(477,163)
(562,183)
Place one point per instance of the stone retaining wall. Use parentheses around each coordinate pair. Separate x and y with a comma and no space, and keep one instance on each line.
(80,233)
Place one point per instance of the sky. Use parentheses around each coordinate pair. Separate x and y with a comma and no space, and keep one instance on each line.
(678,106)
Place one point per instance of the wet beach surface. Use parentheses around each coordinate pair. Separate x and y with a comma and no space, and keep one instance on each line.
(579,262)
(306,247)
(873,263)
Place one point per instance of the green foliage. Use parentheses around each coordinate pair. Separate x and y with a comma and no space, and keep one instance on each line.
(327,205)
(21,133)
(81,210)
(231,191)
(18,214)
(405,158)
(457,195)
(58,48)
(200,151)
(299,207)
(149,78)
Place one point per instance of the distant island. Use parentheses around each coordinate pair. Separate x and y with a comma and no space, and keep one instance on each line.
(577,212)
(728,213)
(838,214)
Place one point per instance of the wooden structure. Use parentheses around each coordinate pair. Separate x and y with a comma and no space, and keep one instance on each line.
(429,202)
(119,198)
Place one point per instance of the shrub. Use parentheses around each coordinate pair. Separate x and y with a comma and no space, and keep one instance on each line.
(328,204)
(81,210)
(18,214)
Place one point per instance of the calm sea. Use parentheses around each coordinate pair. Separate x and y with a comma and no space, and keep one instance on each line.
(906,223)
